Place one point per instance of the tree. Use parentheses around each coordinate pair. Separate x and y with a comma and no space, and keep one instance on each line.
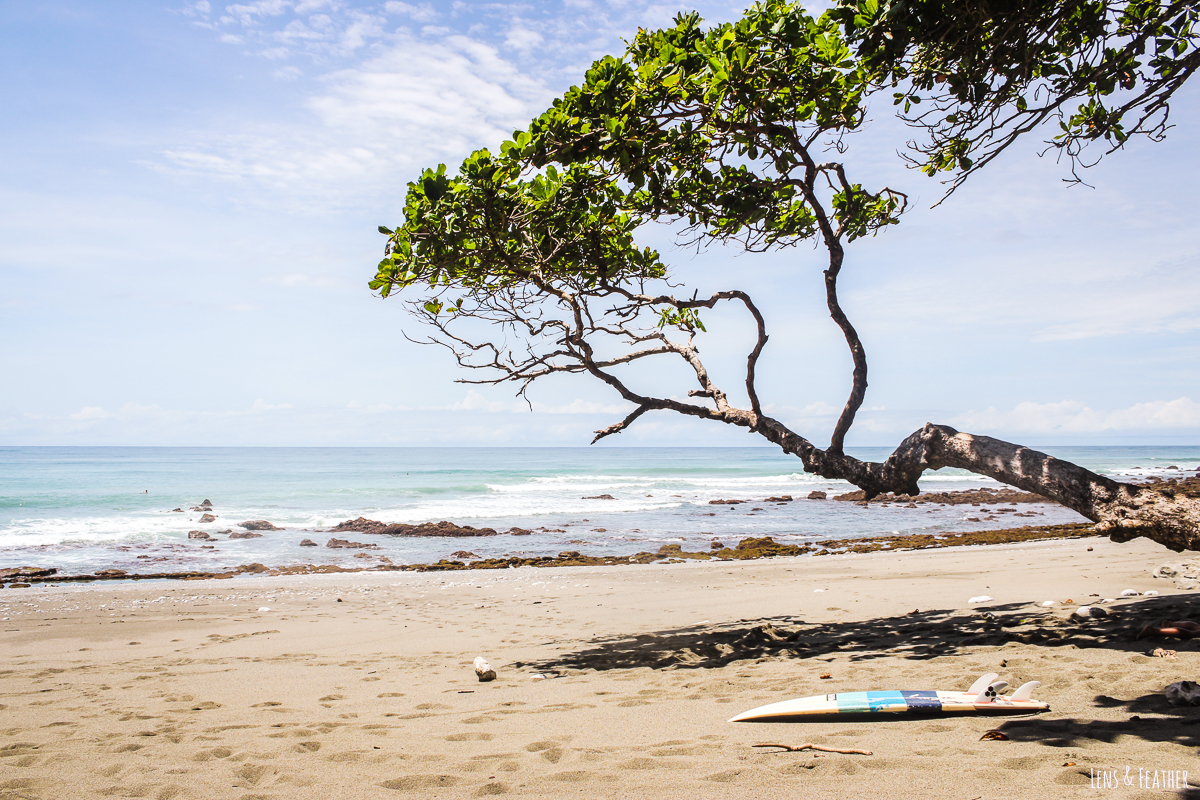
(975,76)
(524,263)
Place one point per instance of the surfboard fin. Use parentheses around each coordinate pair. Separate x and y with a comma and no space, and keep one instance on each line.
(982,683)
(989,693)
(1026,691)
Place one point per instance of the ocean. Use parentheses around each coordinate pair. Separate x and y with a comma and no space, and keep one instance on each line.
(81,509)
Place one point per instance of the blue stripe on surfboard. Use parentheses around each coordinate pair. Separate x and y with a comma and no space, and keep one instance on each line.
(875,702)
(922,701)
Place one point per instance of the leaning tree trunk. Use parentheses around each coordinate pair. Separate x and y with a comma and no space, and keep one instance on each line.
(1122,511)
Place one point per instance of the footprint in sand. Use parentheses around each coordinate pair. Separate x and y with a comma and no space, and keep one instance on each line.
(413,783)
(549,750)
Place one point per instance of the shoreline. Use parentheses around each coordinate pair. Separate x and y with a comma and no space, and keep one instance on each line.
(613,682)
(747,549)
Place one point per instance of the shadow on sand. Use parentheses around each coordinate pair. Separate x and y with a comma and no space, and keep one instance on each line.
(915,635)
(926,635)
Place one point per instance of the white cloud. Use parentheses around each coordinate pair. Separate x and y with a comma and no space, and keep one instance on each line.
(415,104)
(522,38)
(421,13)
(1074,417)
(89,413)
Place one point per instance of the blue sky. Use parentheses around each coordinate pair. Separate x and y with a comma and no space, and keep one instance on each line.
(191,194)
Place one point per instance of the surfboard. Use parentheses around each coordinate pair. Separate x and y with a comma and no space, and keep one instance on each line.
(982,698)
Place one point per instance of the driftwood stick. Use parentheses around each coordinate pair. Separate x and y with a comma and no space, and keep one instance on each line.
(787,748)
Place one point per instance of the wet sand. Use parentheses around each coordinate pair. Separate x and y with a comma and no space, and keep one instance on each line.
(613,682)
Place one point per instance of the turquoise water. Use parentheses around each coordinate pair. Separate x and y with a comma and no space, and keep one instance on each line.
(100,507)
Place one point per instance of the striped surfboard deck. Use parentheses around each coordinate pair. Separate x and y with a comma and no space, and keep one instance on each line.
(982,698)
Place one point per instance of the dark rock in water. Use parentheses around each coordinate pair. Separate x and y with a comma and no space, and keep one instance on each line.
(308,543)
(258,525)
(817,495)
(787,498)
(601,497)
(964,497)
(227,530)
(208,518)
(245,535)
(463,554)
(1183,693)
(176,510)
(346,543)
(26,572)
(207,502)
(725,502)
(199,535)
(443,528)
(519,532)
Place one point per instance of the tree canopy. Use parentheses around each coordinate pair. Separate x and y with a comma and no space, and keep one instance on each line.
(524,262)
(975,76)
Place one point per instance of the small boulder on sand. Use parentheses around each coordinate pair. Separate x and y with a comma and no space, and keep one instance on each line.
(1183,693)
(483,670)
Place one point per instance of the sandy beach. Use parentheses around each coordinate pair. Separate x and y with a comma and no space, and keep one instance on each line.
(613,682)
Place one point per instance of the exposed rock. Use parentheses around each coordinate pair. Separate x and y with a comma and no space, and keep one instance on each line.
(346,543)
(206,503)
(258,525)
(245,535)
(463,554)
(364,555)
(761,548)
(443,528)
(26,572)
(176,511)
(308,543)
(1185,574)
(817,495)
(199,535)
(111,573)
(208,518)
(786,498)
(725,502)
(601,497)
(484,670)
(965,497)
(519,532)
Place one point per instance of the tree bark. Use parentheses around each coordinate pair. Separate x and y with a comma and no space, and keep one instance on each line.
(1122,511)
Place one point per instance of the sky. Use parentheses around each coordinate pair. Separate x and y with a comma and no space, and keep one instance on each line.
(191,195)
